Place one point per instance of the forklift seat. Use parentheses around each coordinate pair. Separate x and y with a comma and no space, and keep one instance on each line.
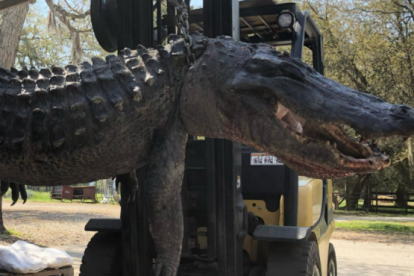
(258,181)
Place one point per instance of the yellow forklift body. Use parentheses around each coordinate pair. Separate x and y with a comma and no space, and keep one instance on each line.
(309,210)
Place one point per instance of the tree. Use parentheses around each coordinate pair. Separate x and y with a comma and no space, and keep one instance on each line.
(70,20)
(369,45)
(10,29)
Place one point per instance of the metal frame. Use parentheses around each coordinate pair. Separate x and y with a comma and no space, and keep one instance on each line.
(223,164)
(135,24)
(306,26)
(226,212)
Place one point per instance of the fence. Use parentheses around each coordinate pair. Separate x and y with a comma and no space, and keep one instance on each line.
(378,202)
(39,188)
(104,193)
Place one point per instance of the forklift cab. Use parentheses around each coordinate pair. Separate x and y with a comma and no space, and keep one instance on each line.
(245,212)
(269,216)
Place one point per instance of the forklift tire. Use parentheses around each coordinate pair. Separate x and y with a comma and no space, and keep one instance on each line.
(257,271)
(294,259)
(332,264)
(103,256)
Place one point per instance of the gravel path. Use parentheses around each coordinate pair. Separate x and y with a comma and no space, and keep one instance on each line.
(53,224)
(374,259)
(61,225)
(355,258)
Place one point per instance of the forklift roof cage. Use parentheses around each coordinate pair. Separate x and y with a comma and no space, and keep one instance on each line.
(257,21)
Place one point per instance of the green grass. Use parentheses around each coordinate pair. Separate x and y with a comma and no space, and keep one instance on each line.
(33,196)
(44,197)
(40,197)
(377,226)
(371,214)
(11,232)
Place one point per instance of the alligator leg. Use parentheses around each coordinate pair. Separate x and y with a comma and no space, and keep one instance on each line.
(164,182)
(15,192)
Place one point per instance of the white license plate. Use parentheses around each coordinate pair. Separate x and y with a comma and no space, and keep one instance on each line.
(262,159)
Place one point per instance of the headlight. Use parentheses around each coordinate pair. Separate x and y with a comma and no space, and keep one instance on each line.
(285,19)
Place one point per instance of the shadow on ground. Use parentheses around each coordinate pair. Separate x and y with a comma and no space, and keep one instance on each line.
(26,215)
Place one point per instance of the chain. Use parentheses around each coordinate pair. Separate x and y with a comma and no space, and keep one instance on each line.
(183,27)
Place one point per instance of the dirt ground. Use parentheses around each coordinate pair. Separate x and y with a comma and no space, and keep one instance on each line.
(367,258)
(57,224)
(53,224)
(371,237)
(61,225)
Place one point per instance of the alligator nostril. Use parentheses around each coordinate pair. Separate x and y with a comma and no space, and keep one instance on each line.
(371,163)
(403,110)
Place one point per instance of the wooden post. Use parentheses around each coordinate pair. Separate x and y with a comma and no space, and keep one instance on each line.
(347,196)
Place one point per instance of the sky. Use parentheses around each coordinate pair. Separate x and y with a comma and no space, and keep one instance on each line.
(197,3)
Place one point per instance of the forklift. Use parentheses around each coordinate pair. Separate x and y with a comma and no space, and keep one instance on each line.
(245,212)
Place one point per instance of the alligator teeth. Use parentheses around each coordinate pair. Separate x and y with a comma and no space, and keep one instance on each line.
(38,110)
(136,94)
(97,99)
(76,106)
(80,131)
(59,142)
(149,79)
(118,102)
(101,118)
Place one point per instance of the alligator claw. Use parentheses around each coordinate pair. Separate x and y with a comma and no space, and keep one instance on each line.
(23,193)
(15,192)
(162,269)
(130,182)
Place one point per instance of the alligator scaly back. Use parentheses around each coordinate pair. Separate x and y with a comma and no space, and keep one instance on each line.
(82,111)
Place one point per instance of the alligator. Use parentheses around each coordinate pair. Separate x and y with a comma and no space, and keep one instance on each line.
(94,121)
(17,190)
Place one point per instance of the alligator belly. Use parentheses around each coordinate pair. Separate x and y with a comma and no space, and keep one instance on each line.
(114,156)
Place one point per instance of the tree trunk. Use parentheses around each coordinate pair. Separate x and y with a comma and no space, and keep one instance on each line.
(10,31)
(367,197)
(2,228)
(401,200)
(356,193)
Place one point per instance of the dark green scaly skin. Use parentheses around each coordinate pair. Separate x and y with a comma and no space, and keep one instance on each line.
(80,124)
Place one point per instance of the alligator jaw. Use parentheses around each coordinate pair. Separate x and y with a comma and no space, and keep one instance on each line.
(277,104)
(313,111)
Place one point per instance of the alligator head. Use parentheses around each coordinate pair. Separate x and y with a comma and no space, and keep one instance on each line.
(277,104)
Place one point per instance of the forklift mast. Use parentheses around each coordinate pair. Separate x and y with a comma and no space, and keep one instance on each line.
(215,174)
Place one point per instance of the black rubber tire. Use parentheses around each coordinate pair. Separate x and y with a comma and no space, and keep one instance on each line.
(257,271)
(103,256)
(293,259)
(332,257)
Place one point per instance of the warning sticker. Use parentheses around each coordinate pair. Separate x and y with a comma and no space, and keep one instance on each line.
(262,159)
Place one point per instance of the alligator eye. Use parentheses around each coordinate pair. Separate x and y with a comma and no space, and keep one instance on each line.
(293,72)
